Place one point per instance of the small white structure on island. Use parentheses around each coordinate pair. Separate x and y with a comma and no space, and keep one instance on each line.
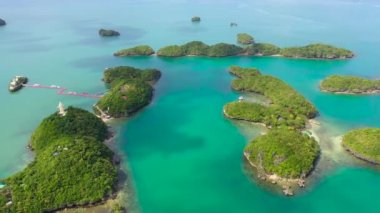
(61,109)
(241,98)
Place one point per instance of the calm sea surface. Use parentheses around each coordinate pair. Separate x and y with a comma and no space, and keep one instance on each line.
(182,154)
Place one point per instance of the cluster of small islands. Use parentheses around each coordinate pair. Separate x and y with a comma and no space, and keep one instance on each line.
(75,167)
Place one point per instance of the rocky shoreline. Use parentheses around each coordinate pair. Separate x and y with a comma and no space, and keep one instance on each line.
(370,92)
(359,156)
(288,185)
(240,119)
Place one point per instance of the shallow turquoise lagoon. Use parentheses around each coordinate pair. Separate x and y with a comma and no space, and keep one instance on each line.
(181,153)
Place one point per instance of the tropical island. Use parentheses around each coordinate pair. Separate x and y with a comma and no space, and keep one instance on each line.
(350,85)
(286,106)
(2,22)
(142,50)
(285,155)
(364,144)
(72,167)
(244,38)
(198,48)
(130,89)
(108,33)
(317,51)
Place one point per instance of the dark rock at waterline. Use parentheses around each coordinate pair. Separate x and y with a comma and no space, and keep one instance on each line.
(2,22)
(103,32)
(196,19)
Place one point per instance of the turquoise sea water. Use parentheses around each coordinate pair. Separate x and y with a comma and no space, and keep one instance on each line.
(182,154)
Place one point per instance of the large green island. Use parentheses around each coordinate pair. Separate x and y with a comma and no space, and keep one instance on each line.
(130,90)
(363,144)
(249,48)
(72,167)
(141,50)
(349,85)
(285,155)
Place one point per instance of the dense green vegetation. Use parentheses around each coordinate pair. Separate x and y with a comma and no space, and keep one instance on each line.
(287,153)
(72,167)
(318,51)
(54,127)
(197,48)
(244,38)
(135,51)
(364,143)
(223,49)
(106,33)
(284,150)
(126,73)
(196,19)
(263,49)
(287,108)
(243,72)
(172,51)
(349,84)
(130,90)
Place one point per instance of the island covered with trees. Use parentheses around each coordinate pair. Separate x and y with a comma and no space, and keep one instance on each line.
(141,50)
(285,155)
(364,144)
(317,51)
(197,48)
(350,85)
(287,107)
(130,89)
(72,166)
(245,38)
(249,48)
